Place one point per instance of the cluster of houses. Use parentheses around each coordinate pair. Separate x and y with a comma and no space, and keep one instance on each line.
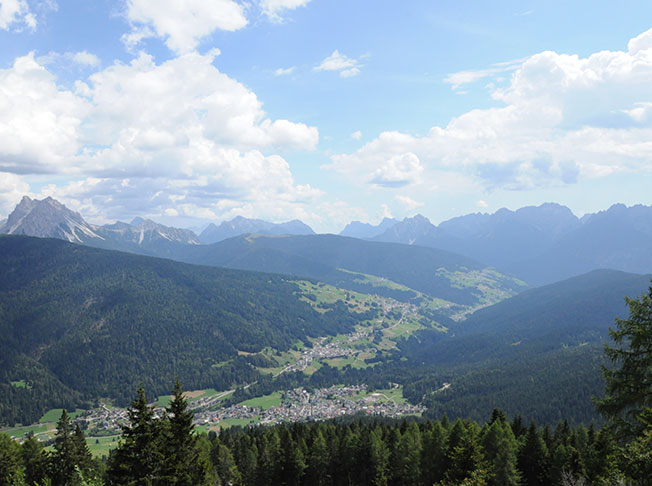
(320,404)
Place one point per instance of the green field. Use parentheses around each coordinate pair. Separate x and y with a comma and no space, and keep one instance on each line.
(390,394)
(22,431)
(20,384)
(54,414)
(264,402)
(234,422)
(100,446)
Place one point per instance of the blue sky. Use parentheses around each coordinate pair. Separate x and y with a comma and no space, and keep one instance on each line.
(323,110)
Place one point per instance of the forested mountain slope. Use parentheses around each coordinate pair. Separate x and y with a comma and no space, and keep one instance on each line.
(547,340)
(98,322)
(364,266)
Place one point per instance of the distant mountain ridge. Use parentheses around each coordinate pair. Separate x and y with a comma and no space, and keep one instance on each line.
(48,218)
(357,229)
(240,226)
(540,244)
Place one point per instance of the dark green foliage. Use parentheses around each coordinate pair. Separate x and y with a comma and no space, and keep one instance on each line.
(137,459)
(397,453)
(34,461)
(629,382)
(11,472)
(533,459)
(80,322)
(64,459)
(341,453)
(162,451)
(515,385)
(500,451)
(182,465)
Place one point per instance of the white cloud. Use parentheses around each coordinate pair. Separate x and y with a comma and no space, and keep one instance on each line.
(346,66)
(39,122)
(12,189)
(284,71)
(641,111)
(86,58)
(80,58)
(563,118)
(178,136)
(641,42)
(182,24)
(15,14)
(357,135)
(398,171)
(481,204)
(407,202)
(274,8)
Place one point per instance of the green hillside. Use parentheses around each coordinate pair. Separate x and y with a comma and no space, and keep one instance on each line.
(349,262)
(81,322)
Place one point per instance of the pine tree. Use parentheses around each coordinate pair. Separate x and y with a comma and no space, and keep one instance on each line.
(222,459)
(181,465)
(533,459)
(629,384)
(34,460)
(63,461)
(378,458)
(638,453)
(10,464)
(406,460)
(500,451)
(137,461)
(466,457)
(318,461)
(433,456)
(82,455)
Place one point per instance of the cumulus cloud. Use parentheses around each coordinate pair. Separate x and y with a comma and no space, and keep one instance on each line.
(274,8)
(346,66)
(15,14)
(39,122)
(178,135)
(357,135)
(181,24)
(12,189)
(398,171)
(563,118)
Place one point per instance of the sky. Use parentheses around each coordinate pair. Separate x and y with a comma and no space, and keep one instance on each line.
(328,111)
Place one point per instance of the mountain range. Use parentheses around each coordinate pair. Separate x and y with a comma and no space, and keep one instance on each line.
(357,229)
(239,226)
(542,244)
(49,218)
(538,244)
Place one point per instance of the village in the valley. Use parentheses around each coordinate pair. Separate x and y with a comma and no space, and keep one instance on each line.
(299,404)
